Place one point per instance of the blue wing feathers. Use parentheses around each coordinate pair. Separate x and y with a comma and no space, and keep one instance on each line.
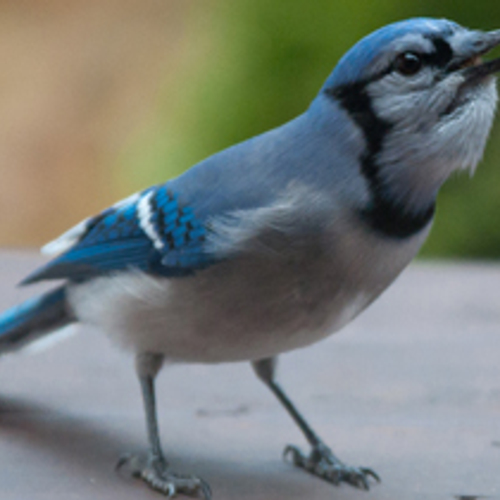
(162,237)
(90,261)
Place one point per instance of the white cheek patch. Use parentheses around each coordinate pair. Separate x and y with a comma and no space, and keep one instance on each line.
(466,131)
(398,99)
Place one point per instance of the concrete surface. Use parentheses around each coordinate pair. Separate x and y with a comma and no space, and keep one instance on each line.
(412,389)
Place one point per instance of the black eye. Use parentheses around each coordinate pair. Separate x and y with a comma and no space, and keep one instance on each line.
(408,63)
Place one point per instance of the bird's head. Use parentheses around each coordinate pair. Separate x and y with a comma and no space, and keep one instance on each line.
(423,99)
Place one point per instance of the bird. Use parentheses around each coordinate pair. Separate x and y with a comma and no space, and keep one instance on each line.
(279,241)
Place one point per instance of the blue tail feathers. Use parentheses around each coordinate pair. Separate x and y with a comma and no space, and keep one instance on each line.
(34,318)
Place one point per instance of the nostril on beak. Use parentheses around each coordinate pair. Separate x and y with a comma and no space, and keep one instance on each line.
(479,45)
(482,41)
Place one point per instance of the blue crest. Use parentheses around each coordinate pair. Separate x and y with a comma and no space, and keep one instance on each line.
(352,65)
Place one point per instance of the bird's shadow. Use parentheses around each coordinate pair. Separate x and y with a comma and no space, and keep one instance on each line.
(93,450)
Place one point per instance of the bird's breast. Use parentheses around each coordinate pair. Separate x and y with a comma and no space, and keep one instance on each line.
(250,307)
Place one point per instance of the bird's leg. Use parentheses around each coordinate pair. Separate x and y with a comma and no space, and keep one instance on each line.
(321,461)
(154,468)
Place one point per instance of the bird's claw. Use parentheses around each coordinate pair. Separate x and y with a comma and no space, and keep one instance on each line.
(155,473)
(321,462)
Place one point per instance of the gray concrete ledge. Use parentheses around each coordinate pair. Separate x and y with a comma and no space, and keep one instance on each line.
(411,389)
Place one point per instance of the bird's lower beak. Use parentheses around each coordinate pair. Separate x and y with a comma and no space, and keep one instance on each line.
(482,70)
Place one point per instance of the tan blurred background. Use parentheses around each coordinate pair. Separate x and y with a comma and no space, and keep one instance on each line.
(78,79)
(100,98)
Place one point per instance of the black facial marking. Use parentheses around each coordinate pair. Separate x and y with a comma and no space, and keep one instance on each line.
(357,103)
(382,213)
(442,54)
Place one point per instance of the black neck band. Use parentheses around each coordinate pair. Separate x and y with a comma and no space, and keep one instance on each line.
(382,213)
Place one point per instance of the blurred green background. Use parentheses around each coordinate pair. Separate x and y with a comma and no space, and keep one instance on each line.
(216,73)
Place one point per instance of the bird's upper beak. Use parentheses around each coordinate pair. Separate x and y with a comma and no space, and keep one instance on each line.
(470,62)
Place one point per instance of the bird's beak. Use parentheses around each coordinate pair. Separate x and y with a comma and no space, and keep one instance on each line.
(472,66)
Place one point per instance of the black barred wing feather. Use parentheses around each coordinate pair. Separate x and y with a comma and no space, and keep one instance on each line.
(150,231)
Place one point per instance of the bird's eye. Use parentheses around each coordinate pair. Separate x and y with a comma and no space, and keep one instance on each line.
(408,63)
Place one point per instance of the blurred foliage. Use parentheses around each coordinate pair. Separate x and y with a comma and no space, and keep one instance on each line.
(250,65)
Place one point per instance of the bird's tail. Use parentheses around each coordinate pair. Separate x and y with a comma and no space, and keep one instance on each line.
(33,319)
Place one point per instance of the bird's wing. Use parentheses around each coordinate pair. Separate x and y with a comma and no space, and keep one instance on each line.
(151,231)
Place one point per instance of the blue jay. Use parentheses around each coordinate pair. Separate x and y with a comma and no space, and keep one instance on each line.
(277,242)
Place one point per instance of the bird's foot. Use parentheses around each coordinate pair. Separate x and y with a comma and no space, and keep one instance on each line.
(154,471)
(323,463)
